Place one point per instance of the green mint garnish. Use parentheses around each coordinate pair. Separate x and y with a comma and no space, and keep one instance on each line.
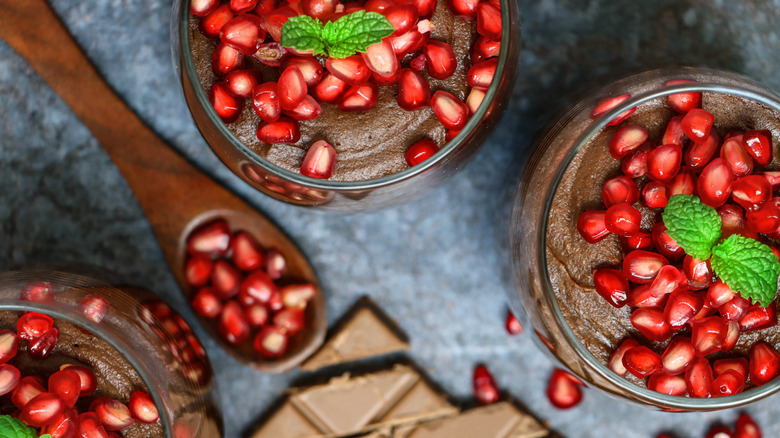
(10,427)
(692,224)
(344,37)
(747,266)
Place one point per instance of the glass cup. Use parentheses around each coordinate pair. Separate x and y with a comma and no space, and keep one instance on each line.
(350,196)
(531,208)
(127,336)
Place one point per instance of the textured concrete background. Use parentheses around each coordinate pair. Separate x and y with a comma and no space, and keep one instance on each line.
(432,264)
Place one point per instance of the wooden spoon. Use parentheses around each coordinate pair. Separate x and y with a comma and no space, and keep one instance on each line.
(176,197)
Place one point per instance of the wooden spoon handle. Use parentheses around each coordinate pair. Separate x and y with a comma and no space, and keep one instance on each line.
(170,190)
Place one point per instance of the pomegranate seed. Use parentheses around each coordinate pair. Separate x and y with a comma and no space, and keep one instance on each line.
(309,67)
(142,407)
(308,109)
(739,159)
(420,151)
(616,358)
(627,139)
(619,189)
(418,63)
(207,303)
(681,307)
(320,161)
(94,307)
(240,83)
(380,59)
(9,378)
(592,226)
(225,278)
(683,102)
(233,325)
(413,90)
(297,296)
(212,23)
(259,286)
(489,20)
(674,133)
(227,107)
(402,17)
(654,194)
(700,153)
(43,346)
(751,191)
(36,291)
(728,383)
(678,356)
(485,48)
(425,8)
(640,240)
(33,325)
(352,70)
(611,285)
(668,279)
(273,21)
(758,317)
(642,266)
(663,162)
(684,183)
(410,42)
(641,361)
(247,254)
(764,219)
(651,323)
(66,383)
(64,427)
(708,334)
(451,112)
(42,410)
(738,364)
(113,414)
(484,386)
(732,220)
(773,178)
(643,296)
(607,104)
(9,345)
(734,308)
(666,384)
(564,390)
(464,9)
(330,89)
(664,244)
(747,427)
(732,336)
(270,54)
(474,99)
(283,130)
(257,315)
(719,432)
(87,379)
(758,144)
(623,219)
(698,273)
(764,363)
(292,88)
(271,341)
(697,124)
(513,326)
(201,8)
(212,239)
(89,426)
(698,378)
(265,101)
(714,183)
(291,320)
(480,75)
(276,265)
(27,389)
(198,269)
(440,59)
(243,33)
(320,9)
(360,98)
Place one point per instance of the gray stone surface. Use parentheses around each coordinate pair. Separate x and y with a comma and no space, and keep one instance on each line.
(432,264)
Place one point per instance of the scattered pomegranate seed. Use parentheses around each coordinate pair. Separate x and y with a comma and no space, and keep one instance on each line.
(410,42)
(228,108)
(425,8)
(643,296)
(758,317)
(683,102)
(651,324)
(640,240)
(708,335)
(94,307)
(682,306)
(512,325)
(420,151)
(201,8)
(402,16)
(142,407)
(734,308)
(330,89)
(283,130)
(485,48)
(485,388)
(697,124)
(698,273)
(592,226)
(240,83)
(276,264)
(273,21)
(667,384)
(225,279)
(663,162)
(738,364)
(480,75)
(9,378)
(212,239)
(732,219)
(714,183)
(564,390)
(451,112)
(320,160)
(464,9)
(773,178)
(684,183)
(440,59)
(65,426)
(271,341)
(87,378)
(489,20)
(89,426)
(27,389)
(265,101)
(320,9)
(719,432)
(291,320)
(758,143)
(627,139)
(232,323)
(606,104)
(678,356)
(257,315)
(641,267)
(360,98)
(740,162)
(664,244)
(698,378)
(352,70)
(654,194)
(33,325)
(66,383)
(113,414)
(616,358)
(641,361)
(751,191)
(747,427)
(674,133)
(611,285)
(198,269)
(728,383)
(211,24)
(700,153)
(42,347)
(764,363)
(618,190)
(291,88)
(243,33)
(764,219)
(42,410)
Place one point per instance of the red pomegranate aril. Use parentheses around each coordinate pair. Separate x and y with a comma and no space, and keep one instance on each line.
(758,143)
(732,336)
(708,334)
(28,388)
(360,98)
(440,59)
(667,384)
(413,90)
(674,133)
(308,109)
(329,90)
(640,240)
(451,112)
(700,153)
(606,104)
(87,379)
(611,285)
(463,9)
(42,347)
(764,363)
(627,139)
(142,407)
(728,383)
(259,286)
(651,323)
(381,59)
(668,279)
(66,383)
(36,291)
(9,345)
(719,432)
(112,414)
(201,8)
(212,23)
(410,42)
(271,341)
(9,378)
(485,48)
(352,70)
(257,315)
(664,244)
(734,308)
(265,101)
(212,239)
(641,266)
(484,386)
(643,296)
(425,8)
(682,306)
(243,33)
(291,87)
(764,219)
(512,324)
(420,151)
(564,390)
(241,83)
(320,161)
(480,75)
(33,325)
(89,426)
(678,356)
(233,325)
(198,269)
(698,273)
(207,303)
(751,191)
(225,279)
(698,378)
(714,183)
(489,20)
(94,307)
(378,6)
(616,358)
(773,177)
(320,9)
(732,220)
(283,130)
(42,410)
(738,364)
(64,427)
(619,189)
(418,63)
(635,162)
(227,107)
(623,219)
(273,21)
(290,319)
(641,361)
(758,317)
(739,159)
(247,254)
(402,16)
(684,183)
(309,67)
(663,162)
(654,194)
(276,265)
(683,102)
(474,100)
(697,124)
(747,427)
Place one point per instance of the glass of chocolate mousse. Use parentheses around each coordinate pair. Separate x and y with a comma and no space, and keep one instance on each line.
(373,128)
(662,321)
(79,357)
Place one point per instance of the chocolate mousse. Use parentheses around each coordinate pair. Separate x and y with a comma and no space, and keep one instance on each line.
(571,260)
(369,144)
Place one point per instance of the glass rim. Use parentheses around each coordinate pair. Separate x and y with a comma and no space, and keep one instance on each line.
(188,68)
(768,98)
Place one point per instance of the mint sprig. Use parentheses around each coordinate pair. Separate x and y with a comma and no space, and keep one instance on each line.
(344,37)
(747,266)
(692,224)
(11,427)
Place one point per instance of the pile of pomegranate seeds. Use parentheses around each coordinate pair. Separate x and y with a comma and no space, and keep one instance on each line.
(237,287)
(51,404)
(676,298)
(306,82)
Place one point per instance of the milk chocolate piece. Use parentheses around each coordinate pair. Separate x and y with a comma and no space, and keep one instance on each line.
(364,333)
(500,420)
(287,422)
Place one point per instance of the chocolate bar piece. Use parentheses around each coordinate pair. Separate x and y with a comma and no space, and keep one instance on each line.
(364,333)
(500,420)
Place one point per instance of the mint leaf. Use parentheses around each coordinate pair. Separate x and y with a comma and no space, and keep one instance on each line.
(10,427)
(747,266)
(692,224)
(355,32)
(303,33)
